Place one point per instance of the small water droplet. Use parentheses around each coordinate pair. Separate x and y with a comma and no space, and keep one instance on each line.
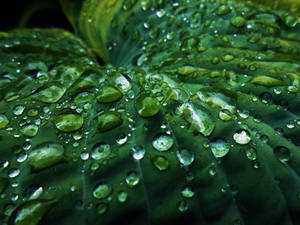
(3,121)
(84,156)
(185,157)
(100,151)
(132,179)
(251,153)
(187,192)
(102,191)
(160,162)
(138,152)
(282,153)
(121,139)
(12,173)
(122,196)
(102,208)
(18,110)
(182,206)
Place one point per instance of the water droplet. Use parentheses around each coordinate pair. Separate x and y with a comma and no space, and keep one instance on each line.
(3,121)
(138,152)
(198,118)
(132,179)
(282,153)
(102,208)
(187,192)
(238,21)
(12,173)
(219,148)
(51,93)
(84,97)
(109,94)
(122,196)
(109,120)
(251,153)
(242,137)
(102,191)
(100,151)
(121,82)
(18,110)
(30,130)
(182,206)
(147,106)
(84,156)
(68,122)
(185,157)
(21,157)
(45,155)
(160,162)
(162,142)
(225,115)
(121,139)
(212,171)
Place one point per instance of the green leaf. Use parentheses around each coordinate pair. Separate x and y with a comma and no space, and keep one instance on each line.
(193,119)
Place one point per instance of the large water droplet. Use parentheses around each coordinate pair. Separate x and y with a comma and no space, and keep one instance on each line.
(198,118)
(162,142)
(30,130)
(109,120)
(219,148)
(109,94)
(68,122)
(242,137)
(185,157)
(132,179)
(101,151)
(138,152)
(51,93)
(147,106)
(18,110)
(102,191)
(45,155)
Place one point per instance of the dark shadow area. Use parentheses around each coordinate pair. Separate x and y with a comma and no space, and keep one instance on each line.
(32,14)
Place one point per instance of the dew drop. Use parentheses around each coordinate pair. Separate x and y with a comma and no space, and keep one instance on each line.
(185,157)
(251,153)
(182,206)
(187,192)
(122,196)
(3,121)
(242,137)
(162,142)
(138,152)
(102,191)
(45,155)
(160,162)
(121,139)
(132,179)
(12,173)
(18,110)
(68,122)
(100,151)
(30,130)
(219,148)
(102,208)
(282,153)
